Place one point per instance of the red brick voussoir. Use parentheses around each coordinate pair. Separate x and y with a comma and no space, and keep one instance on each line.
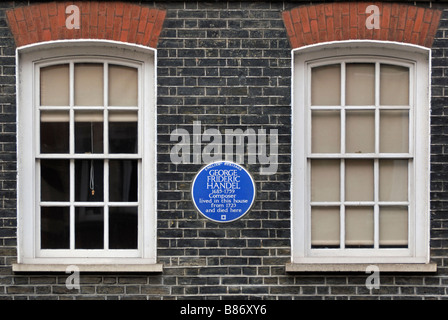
(114,20)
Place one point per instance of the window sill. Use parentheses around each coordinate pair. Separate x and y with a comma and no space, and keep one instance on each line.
(109,268)
(383,267)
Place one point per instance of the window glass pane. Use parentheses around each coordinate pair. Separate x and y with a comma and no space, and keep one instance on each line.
(326,132)
(55,180)
(360,132)
(123,86)
(89,132)
(123,180)
(393,226)
(89,84)
(89,228)
(359,183)
(394,85)
(123,228)
(54,132)
(393,180)
(325,230)
(359,227)
(360,84)
(123,132)
(55,85)
(89,180)
(325,180)
(326,85)
(55,228)
(394,131)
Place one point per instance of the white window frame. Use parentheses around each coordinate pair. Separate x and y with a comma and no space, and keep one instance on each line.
(418,58)
(29,59)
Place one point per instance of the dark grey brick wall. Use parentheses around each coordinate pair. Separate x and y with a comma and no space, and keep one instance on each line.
(439,140)
(228,65)
(8,158)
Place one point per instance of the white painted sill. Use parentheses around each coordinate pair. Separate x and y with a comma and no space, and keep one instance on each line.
(106,268)
(383,267)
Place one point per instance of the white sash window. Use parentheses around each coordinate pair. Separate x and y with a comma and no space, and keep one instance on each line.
(361,154)
(87,154)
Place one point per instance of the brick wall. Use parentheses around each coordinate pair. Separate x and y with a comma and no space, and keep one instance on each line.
(8,149)
(228,65)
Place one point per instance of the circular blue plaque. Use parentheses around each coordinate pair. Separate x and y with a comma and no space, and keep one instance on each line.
(223,191)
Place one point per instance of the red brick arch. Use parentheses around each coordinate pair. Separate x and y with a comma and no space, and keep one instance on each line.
(313,24)
(109,20)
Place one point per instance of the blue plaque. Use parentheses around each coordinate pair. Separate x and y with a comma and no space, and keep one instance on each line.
(223,191)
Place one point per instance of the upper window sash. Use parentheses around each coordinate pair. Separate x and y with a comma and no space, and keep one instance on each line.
(110,112)
(376,107)
(364,59)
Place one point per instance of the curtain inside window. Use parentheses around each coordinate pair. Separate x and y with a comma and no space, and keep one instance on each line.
(325,226)
(360,84)
(89,84)
(394,85)
(326,85)
(123,86)
(55,85)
